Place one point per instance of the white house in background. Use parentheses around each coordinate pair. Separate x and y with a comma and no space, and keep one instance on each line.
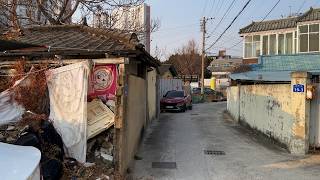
(221,67)
(292,35)
(136,19)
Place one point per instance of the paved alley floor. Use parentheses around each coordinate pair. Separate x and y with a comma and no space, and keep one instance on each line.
(173,148)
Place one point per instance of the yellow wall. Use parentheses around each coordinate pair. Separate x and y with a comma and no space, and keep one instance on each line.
(275,110)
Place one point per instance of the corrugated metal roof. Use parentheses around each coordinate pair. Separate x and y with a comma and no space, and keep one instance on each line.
(296,62)
(279,67)
(262,76)
(291,22)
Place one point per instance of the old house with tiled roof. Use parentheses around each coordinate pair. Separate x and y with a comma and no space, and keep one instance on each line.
(290,35)
(168,71)
(101,60)
(280,81)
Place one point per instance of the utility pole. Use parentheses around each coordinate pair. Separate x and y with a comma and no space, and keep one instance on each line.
(203,51)
(203,30)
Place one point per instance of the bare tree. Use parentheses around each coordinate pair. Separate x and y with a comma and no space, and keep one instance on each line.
(187,60)
(159,53)
(14,13)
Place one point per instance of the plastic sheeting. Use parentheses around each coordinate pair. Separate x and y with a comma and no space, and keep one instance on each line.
(68,87)
(19,162)
(10,111)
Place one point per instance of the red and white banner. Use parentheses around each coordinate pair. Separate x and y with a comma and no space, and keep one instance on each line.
(103,82)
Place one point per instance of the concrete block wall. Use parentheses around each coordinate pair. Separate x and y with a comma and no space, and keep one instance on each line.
(152,95)
(135,118)
(275,110)
(267,108)
(233,96)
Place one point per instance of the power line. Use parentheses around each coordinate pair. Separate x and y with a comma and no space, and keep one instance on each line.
(301,6)
(176,27)
(213,2)
(205,7)
(218,10)
(224,15)
(236,44)
(270,11)
(243,8)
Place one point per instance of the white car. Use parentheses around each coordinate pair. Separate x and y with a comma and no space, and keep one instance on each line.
(19,162)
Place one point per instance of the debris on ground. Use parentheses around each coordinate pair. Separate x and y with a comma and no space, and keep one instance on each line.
(35,129)
(98,166)
(41,134)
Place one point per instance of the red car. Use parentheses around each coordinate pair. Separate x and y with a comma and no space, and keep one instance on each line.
(176,100)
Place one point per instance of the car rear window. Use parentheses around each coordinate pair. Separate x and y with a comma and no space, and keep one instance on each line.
(175,94)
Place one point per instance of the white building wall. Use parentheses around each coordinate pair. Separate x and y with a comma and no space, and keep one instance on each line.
(136,19)
(233,97)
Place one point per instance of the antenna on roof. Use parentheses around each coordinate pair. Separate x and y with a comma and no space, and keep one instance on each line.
(290,11)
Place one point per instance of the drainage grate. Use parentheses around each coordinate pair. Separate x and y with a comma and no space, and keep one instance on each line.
(164,165)
(194,114)
(211,152)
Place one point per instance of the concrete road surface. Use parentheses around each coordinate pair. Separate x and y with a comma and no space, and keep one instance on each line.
(174,147)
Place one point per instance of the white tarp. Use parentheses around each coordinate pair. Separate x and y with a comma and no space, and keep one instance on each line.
(68,87)
(10,111)
(19,162)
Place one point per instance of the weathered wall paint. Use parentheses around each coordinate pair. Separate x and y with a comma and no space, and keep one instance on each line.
(267,108)
(275,110)
(233,101)
(152,94)
(136,114)
(301,109)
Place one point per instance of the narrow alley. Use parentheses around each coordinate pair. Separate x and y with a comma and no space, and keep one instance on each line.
(174,148)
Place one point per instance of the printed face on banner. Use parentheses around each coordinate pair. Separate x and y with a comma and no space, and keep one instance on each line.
(103,82)
(103,78)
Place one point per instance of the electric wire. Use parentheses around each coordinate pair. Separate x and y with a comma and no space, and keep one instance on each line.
(222,18)
(235,18)
(301,6)
(236,44)
(270,10)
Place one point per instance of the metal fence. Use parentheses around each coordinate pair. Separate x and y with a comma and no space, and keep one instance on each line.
(168,85)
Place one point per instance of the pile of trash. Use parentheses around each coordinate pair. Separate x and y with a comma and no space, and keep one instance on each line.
(99,160)
(37,131)
(26,109)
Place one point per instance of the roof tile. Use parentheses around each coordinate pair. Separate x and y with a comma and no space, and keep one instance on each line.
(291,22)
(78,37)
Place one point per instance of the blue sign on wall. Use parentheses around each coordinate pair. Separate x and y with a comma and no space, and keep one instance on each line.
(298,88)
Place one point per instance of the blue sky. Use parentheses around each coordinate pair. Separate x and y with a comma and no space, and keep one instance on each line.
(180,20)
